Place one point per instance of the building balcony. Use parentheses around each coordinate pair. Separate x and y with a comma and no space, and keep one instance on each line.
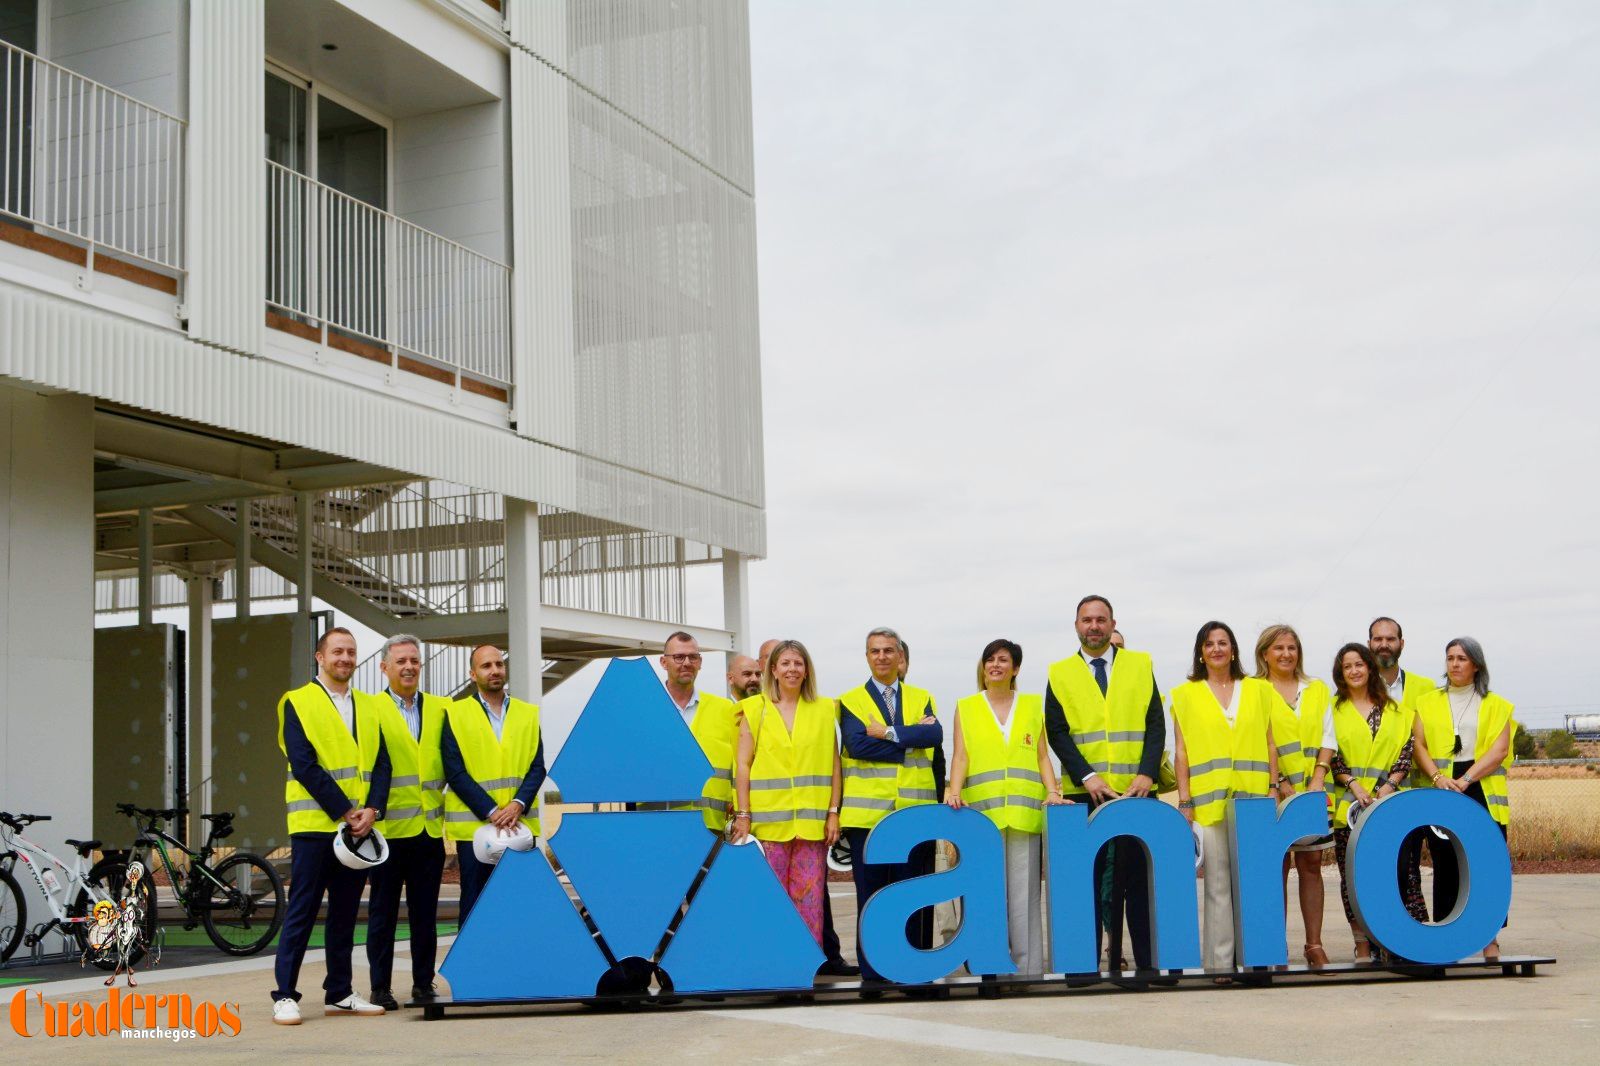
(92,180)
(356,279)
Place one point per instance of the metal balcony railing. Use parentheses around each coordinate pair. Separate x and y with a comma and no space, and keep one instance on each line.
(83,162)
(336,263)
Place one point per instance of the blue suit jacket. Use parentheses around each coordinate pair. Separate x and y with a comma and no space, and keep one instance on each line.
(860,745)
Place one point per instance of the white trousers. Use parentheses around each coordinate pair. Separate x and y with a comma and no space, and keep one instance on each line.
(1218,936)
(1023,913)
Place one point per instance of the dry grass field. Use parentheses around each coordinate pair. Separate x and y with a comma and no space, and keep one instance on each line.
(1555,813)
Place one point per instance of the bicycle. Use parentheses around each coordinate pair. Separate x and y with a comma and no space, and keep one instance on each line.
(68,891)
(240,901)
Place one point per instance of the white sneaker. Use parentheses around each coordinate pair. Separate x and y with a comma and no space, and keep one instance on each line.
(353,1006)
(285,1012)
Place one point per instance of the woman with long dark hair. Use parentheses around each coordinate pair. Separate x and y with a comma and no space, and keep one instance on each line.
(1462,741)
(1373,760)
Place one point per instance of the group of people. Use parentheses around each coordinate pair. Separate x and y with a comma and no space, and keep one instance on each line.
(795,770)
(799,783)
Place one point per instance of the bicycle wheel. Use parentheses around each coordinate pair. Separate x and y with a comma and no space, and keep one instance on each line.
(109,876)
(13,915)
(244,917)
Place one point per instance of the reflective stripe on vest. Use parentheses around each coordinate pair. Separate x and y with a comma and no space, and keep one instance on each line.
(716,729)
(417,784)
(1224,760)
(1495,714)
(1298,732)
(791,775)
(337,751)
(1108,729)
(498,766)
(873,789)
(1003,780)
(1367,756)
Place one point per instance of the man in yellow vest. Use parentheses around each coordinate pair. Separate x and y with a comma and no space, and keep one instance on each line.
(892,741)
(412,721)
(493,760)
(338,777)
(709,717)
(744,678)
(1104,720)
(1386,640)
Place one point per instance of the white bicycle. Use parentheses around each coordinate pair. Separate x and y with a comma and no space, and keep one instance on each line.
(70,891)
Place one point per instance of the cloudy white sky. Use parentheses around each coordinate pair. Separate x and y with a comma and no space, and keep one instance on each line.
(1261,312)
(1258,312)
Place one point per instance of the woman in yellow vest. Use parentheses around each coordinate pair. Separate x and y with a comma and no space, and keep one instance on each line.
(787,784)
(1001,767)
(1302,729)
(1373,760)
(1464,716)
(1222,748)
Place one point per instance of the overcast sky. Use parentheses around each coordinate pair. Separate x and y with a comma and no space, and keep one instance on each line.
(1259,312)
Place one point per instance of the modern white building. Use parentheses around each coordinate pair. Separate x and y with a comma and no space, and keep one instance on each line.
(441,313)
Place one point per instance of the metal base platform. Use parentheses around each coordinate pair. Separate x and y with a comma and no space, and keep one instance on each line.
(991,987)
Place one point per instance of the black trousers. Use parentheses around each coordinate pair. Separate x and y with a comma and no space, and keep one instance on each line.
(1446,870)
(415,864)
(474,875)
(830,939)
(313,873)
(1129,898)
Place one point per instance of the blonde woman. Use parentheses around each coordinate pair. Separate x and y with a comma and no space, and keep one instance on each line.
(1302,725)
(787,784)
(1001,768)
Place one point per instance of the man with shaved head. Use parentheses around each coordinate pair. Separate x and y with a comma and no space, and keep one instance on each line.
(744,678)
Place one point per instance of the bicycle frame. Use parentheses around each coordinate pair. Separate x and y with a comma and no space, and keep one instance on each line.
(154,836)
(33,856)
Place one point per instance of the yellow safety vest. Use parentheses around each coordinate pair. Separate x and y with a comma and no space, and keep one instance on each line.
(1439,733)
(416,789)
(1224,761)
(1003,780)
(498,766)
(348,764)
(1297,732)
(716,727)
(874,789)
(791,776)
(1369,756)
(1108,729)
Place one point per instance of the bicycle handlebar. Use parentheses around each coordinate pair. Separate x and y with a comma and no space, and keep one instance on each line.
(163,815)
(21,821)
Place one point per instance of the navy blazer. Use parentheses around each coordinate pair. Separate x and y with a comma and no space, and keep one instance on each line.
(472,794)
(316,780)
(861,745)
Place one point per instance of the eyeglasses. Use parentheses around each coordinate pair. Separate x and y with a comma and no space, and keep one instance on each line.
(684,658)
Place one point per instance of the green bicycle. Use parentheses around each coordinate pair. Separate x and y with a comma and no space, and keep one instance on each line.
(240,900)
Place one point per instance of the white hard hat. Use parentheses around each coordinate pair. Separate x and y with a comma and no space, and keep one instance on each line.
(1199,845)
(490,842)
(371,850)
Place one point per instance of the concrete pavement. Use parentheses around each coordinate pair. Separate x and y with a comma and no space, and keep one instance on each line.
(1552,1017)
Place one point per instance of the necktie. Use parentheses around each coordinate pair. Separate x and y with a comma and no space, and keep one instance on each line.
(888,705)
(1099,674)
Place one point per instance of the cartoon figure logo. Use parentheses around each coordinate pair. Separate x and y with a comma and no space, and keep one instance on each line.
(118,935)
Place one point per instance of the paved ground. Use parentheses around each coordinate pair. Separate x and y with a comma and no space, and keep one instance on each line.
(1554,1017)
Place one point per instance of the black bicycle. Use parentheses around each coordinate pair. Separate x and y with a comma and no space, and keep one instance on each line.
(240,900)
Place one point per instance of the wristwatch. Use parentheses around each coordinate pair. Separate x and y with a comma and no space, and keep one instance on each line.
(833,810)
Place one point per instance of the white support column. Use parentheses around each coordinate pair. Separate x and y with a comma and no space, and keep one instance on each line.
(202,596)
(300,659)
(226,191)
(736,601)
(241,561)
(525,645)
(147,568)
